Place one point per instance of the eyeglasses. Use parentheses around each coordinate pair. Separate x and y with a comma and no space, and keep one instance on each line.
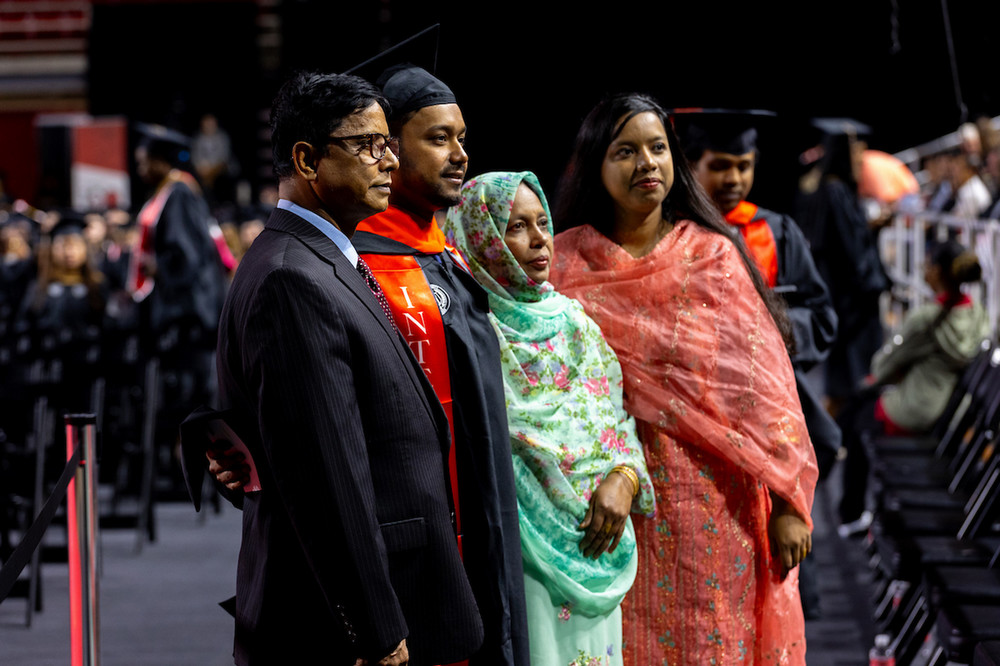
(376,143)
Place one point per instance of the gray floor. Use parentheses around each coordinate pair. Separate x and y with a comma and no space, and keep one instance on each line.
(159,606)
(842,636)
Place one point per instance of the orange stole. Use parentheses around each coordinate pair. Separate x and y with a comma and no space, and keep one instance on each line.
(759,239)
(419,321)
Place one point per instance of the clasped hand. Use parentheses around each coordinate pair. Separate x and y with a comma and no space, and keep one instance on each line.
(227,466)
(398,657)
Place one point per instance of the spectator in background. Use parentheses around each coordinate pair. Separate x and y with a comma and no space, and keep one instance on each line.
(248,232)
(214,161)
(67,296)
(844,248)
(886,185)
(177,276)
(63,310)
(991,169)
(972,198)
(991,145)
(936,192)
(17,263)
(970,142)
(913,376)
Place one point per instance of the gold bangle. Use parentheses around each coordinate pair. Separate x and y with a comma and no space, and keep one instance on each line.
(629,474)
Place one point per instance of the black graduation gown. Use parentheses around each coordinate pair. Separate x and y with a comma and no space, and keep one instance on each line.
(846,255)
(814,326)
(190,280)
(488,500)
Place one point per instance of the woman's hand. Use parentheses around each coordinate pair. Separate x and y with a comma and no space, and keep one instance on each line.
(789,534)
(227,466)
(398,657)
(605,520)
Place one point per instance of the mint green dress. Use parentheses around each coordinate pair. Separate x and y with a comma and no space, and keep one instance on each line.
(568,429)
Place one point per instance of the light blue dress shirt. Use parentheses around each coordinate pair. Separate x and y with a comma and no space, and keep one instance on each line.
(330,231)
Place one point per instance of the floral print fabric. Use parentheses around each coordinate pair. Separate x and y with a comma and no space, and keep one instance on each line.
(712,390)
(568,429)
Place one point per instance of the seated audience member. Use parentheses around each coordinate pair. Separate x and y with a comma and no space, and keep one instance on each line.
(17,265)
(63,311)
(67,298)
(914,374)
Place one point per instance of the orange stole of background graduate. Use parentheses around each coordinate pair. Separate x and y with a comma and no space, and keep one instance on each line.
(759,239)
(419,321)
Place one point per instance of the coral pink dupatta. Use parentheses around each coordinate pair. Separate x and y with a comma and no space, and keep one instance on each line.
(704,364)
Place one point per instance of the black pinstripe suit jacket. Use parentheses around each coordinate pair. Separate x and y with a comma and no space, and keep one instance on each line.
(349,547)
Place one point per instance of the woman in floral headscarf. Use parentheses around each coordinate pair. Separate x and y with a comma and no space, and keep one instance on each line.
(578,466)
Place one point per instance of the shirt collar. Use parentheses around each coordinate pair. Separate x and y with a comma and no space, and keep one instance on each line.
(328,229)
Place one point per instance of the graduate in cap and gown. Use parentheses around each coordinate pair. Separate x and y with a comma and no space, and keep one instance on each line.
(845,248)
(442,314)
(176,277)
(63,311)
(722,148)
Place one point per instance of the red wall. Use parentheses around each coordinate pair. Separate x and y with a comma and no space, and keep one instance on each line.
(19,154)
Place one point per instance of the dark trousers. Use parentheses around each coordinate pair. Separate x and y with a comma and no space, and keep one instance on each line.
(857,424)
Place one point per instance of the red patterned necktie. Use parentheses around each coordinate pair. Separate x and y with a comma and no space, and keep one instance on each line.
(373,284)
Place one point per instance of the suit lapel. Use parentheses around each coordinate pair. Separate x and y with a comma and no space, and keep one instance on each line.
(328,251)
(324,248)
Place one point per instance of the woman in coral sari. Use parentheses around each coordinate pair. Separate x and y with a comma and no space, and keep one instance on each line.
(709,382)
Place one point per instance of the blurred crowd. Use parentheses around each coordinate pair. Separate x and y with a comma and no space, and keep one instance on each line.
(89,298)
(964,180)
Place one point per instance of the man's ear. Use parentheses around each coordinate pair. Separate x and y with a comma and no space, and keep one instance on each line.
(305,157)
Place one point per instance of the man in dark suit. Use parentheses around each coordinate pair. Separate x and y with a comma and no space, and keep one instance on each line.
(349,550)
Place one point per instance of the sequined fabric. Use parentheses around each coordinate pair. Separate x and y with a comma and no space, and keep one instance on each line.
(713,393)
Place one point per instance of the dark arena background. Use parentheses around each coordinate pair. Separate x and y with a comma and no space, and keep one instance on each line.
(526,73)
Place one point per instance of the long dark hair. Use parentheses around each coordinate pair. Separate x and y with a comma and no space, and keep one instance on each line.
(958,266)
(583,199)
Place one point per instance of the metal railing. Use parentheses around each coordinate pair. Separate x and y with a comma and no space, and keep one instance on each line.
(77,485)
(903,245)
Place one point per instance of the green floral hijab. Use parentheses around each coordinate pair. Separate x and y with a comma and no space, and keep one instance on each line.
(476,226)
(563,387)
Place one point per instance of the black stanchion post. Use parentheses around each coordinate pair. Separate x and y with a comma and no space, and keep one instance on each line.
(81,505)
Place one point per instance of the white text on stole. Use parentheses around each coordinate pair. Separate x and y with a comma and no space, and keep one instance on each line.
(416,344)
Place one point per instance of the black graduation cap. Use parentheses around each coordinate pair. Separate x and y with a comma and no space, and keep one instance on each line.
(26,224)
(828,140)
(732,131)
(69,222)
(164,143)
(841,126)
(405,73)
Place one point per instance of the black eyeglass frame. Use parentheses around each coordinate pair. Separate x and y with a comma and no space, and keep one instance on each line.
(384,143)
